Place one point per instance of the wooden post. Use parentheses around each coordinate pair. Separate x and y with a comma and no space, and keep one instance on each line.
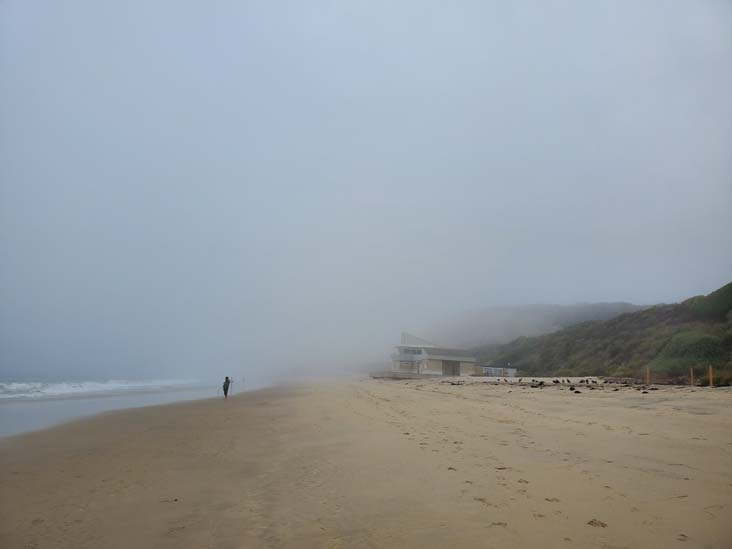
(691,374)
(711,376)
(648,375)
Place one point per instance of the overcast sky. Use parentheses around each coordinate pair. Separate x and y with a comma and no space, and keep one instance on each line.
(189,188)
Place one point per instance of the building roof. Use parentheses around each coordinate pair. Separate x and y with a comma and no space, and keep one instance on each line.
(414,341)
(433,351)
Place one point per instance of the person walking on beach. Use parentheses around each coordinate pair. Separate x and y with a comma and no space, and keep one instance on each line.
(227,382)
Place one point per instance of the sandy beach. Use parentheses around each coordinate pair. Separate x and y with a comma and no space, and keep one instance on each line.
(376,463)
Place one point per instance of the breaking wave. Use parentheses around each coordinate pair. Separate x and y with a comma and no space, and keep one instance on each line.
(37,389)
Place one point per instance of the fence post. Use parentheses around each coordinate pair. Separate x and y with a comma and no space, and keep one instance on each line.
(691,373)
(648,375)
(711,376)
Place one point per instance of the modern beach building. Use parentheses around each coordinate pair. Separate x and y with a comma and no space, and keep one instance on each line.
(497,370)
(418,356)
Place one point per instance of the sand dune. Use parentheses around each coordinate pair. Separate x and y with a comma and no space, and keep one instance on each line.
(375,463)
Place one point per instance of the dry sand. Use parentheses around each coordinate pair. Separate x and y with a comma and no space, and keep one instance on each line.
(374,463)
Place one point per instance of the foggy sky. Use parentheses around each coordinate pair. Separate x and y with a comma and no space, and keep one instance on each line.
(198,188)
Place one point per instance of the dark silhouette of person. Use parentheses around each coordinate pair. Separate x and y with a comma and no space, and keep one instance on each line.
(227,382)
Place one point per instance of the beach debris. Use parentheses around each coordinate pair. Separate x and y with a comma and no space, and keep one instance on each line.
(171,500)
(503,524)
(644,392)
(523,481)
(597,523)
(553,500)
(577,392)
(451,469)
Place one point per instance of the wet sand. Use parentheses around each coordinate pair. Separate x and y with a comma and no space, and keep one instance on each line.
(376,463)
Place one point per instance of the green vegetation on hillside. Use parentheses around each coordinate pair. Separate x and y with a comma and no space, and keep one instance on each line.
(668,338)
(715,306)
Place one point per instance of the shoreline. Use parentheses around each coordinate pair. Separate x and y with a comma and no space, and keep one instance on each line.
(380,463)
(25,415)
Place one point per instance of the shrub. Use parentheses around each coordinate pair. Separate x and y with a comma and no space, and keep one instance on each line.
(688,349)
(714,306)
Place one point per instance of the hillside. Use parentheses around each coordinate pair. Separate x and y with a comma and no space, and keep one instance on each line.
(502,324)
(668,338)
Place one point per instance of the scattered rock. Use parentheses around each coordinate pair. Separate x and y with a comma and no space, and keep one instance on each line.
(682,537)
(598,523)
(552,499)
(451,469)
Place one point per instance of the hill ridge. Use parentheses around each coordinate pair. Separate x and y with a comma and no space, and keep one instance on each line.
(668,338)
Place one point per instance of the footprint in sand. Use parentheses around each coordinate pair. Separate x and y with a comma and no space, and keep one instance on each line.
(485,502)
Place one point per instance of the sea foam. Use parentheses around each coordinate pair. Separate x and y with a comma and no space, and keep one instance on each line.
(38,389)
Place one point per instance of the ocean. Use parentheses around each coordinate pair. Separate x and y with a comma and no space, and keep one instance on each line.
(31,405)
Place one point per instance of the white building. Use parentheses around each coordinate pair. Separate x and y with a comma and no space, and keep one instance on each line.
(418,356)
(498,371)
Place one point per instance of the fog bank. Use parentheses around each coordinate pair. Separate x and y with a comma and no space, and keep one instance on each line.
(195,190)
